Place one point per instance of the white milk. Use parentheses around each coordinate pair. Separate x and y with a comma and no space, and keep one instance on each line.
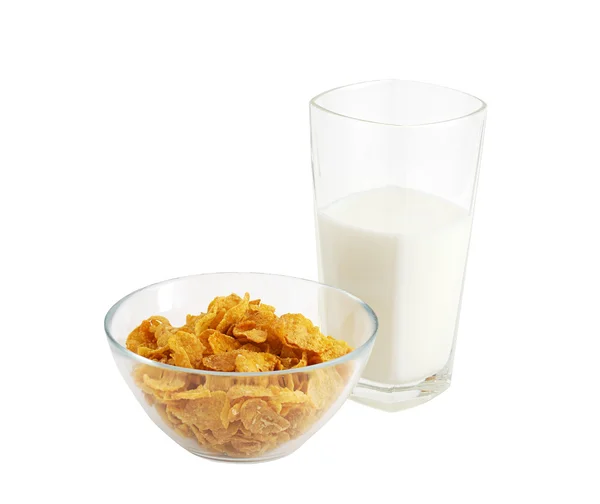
(404,253)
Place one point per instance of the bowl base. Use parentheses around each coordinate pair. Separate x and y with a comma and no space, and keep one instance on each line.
(250,460)
(396,398)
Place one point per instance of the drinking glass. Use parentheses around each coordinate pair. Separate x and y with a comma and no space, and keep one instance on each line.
(395,167)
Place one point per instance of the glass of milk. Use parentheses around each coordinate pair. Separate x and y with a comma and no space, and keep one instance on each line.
(395,166)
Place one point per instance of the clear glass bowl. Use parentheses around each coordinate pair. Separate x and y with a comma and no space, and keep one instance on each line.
(242,416)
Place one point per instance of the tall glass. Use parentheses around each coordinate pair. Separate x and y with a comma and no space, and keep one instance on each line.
(395,166)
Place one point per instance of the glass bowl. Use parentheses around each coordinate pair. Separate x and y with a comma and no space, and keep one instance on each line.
(242,416)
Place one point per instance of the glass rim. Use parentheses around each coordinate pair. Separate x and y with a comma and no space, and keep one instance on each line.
(313,103)
(143,360)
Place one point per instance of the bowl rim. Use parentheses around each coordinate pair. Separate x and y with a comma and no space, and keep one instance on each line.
(143,360)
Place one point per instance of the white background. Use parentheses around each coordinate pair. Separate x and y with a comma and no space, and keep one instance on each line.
(146,140)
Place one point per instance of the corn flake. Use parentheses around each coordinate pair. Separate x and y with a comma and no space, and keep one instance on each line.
(258,418)
(186,349)
(221,343)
